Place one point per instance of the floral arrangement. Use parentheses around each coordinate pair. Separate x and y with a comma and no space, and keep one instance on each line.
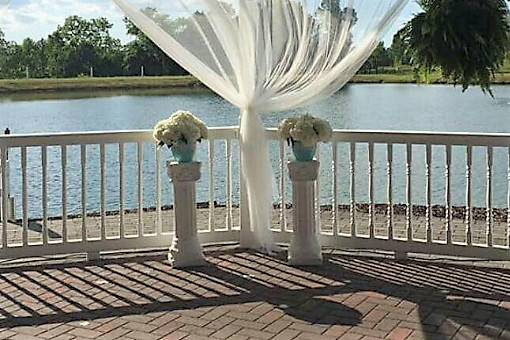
(305,129)
(182,127)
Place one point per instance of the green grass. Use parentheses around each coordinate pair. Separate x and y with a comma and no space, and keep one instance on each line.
(82,84)
(384,79)
(129,83)
(435,78)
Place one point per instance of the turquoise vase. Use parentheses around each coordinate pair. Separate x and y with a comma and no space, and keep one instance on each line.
(184,152)
(303,153)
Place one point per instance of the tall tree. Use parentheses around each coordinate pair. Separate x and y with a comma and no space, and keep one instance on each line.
(380,58)
(143,52)
(33,58)
(398,53)
(80,44)
(9,63)
(3,53)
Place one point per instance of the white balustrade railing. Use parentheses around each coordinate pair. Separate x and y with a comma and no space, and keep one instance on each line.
(437,228)
(88,230)
(406,192)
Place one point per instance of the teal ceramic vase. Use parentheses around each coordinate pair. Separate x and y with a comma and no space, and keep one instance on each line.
(184,152)
(303,153)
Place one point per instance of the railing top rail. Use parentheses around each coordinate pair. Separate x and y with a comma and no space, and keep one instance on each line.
(98,137)
(416,137)
(232,132)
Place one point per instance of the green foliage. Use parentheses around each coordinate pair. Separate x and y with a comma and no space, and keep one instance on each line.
(466,39)
(143,52)
(397,52)
(79,45)
(379,59)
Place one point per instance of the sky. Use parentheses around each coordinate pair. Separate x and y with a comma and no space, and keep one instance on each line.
(38,18)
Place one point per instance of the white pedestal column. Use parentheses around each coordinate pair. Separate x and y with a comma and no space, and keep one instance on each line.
(305,249)
(186,250)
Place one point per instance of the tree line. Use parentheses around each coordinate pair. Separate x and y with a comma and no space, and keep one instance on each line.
(467,48)
(79,45)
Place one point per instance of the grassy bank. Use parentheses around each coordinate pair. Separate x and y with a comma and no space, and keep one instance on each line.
(131,83)
(95,84)
(501,78)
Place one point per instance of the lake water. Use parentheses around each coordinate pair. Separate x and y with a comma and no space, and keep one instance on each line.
(381,107)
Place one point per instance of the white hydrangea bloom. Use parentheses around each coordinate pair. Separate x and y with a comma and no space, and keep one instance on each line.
(306,129)
(285,127)
(324,130)
(181,126)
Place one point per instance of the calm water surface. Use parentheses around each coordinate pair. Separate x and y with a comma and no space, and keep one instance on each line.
(391,107)
(381,107)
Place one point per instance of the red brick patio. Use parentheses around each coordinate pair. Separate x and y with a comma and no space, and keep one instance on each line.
(247,295)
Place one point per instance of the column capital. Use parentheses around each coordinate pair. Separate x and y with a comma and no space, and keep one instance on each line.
(303,171)
(184,172)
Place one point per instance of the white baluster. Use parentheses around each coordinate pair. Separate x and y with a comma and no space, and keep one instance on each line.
(121,189)
(352,171)
(44,161)
(409,194)
(317,189)
(469,196)
(102,151)
(24,195)
(371,191)
(448,175)
(141,226)
(489,218)
(84,192)
(283,220)
(229,184)
(335,188)
(212,218)
(389,192)
(158,192)
(63,160)
(428,175)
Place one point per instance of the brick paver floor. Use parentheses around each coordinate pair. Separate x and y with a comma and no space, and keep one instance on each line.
(248,295)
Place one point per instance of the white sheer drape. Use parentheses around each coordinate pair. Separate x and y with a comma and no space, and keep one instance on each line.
(265,56)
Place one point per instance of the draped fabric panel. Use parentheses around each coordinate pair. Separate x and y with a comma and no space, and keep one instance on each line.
(265,56)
